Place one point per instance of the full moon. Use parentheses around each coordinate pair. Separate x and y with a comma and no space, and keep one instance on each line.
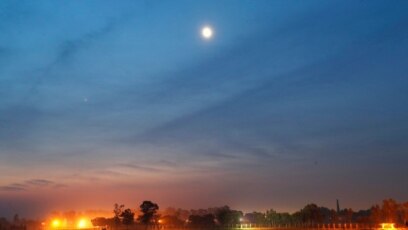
(207,32)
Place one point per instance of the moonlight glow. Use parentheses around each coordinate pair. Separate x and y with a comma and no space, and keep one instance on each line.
(207,32)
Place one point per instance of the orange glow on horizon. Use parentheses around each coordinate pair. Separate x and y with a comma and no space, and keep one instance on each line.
(56,223)
(388,226)
(82,223)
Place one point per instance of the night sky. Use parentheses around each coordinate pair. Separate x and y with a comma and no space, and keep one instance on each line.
(290,102)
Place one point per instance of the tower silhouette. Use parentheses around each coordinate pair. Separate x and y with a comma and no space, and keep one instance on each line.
(338,206)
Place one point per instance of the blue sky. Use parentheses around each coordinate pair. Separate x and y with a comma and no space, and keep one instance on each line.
(291,102)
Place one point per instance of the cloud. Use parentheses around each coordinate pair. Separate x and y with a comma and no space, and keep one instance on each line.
(32,184)
(140,167)
(58,186)
(11,188)
(71,47)
(311,110)
(39,182)
(68,49)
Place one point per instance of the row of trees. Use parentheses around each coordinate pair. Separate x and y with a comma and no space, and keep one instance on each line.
(311,215)
(16,223)
(390,211)
(148,216)
(222,216)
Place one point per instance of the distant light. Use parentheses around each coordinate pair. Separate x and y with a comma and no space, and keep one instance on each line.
(388,226)
(160,221)
(56,223)
(82,223)
(207,32)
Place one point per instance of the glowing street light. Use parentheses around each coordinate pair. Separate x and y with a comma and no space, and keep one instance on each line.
(82,223)
(387,226)
(56,223)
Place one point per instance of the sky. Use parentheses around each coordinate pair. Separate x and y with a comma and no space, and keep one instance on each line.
(290,102)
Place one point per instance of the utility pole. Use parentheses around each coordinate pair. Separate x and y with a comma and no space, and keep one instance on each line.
(338,206)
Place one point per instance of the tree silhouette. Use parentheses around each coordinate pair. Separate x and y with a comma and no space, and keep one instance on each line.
(117,210)
(16,219)
(271,217)
(404,210)
(149,212)
(128,217)
(206,220)
(390,210)
(375,214)
(256,218)
(311,214)
(226,216)
(101,222)
(171,221)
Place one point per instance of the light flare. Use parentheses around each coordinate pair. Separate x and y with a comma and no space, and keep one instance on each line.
(56,223)
(388,226)
(83,223)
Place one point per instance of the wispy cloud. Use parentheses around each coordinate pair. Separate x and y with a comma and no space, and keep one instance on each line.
(32,184)
(68,49)
(11,188)
(39,182)
(140,167)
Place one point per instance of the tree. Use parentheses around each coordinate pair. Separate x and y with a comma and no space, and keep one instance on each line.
(16,219)
(285,218)
(101,222)
(311,214)
(297,217)
(206,220)
(362,216)
(348,215)
(328,215)
(375,214)
(4,224)
(333,216)
(149,212)
(389,210)
(128,217)
(404,212)
(271,217)
(226,216)
(117,211)
(171,221)
(256,218)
